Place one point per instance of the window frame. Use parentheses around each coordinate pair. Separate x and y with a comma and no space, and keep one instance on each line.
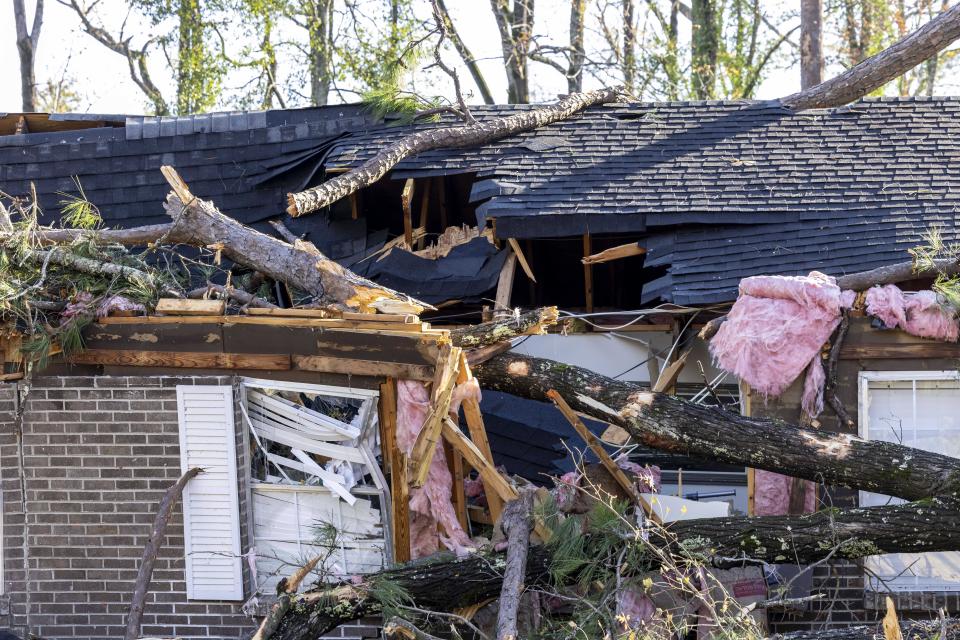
(864,380)
(368,420)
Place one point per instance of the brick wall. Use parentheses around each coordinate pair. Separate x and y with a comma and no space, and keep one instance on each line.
(98,455)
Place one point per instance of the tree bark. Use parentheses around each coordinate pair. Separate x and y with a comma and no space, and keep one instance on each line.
(486,131)
(705,48)
(913,527)
(480,335)
(835,533)
(628,58)
(199,222)
(578,11)
(874,72)
(27,43)
(150,550)
(137,236)
(517,522)
(669,424)
(440,582)
(811,43)
(516,30)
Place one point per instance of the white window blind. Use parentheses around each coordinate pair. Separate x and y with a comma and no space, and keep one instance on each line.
(211,512)
(916,409)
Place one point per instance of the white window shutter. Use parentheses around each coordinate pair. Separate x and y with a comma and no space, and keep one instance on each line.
(211,510)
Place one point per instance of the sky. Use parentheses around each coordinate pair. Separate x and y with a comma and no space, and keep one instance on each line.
(107,88)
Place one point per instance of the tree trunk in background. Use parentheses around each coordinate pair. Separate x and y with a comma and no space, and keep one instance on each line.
(811,43)
(666,423)
(629,55)
(27,43)
(465,54)
(578,10)
(876,71)
(516,28)
(705,48)
(319,22)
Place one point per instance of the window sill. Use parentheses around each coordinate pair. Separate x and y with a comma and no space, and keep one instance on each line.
(912,600)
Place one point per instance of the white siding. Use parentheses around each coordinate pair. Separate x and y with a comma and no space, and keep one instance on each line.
(211,511)
(286,523)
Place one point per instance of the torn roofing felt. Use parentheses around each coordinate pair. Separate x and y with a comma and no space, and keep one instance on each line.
(722,189)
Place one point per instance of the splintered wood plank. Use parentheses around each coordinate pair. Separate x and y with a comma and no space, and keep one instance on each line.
(444,382)
(615,253)
(668,377)
(183,359)
(396,464)
(910,351)
(521,258)
(403,318)
(478,433)
(406,202)
(605,459)
(188,307)
(587,274)
(387,408)
(505,283)
(424,209)
(491,477)
(328,364)
(372,325)
(295,313)
(459,497)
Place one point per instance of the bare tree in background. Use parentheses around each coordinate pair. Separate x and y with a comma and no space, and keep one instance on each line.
(27,42)
(516,31)
(466,55)
(811,43)
(704,48)
(569,60)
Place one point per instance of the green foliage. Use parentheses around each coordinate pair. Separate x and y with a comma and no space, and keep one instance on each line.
(78,212)
(392,597)
(925,258)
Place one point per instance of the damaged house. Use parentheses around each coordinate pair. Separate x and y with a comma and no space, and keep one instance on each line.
(641,223)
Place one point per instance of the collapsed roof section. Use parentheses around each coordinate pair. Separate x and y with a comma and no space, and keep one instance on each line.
(721,189)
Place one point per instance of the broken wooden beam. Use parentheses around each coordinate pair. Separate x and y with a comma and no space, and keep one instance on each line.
(615,253)
(200,223)
(597,447)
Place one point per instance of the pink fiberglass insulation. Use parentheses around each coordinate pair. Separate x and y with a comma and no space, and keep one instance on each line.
(919,314)
(432,503)
(771,494)
(776,328)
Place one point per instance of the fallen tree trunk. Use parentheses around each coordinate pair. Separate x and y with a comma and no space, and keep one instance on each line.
(669,424)
(135,237)
(440,583)
(913,527)
(932,525)
(468,135)
(877,70)
(199,222)
(488,333)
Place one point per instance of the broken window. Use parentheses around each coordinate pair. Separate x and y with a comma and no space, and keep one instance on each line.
(915,409)
(316,486)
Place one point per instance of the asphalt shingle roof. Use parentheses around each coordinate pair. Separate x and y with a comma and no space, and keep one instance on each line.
(722,189)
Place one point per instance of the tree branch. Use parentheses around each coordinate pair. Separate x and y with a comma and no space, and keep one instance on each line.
(483,132)
(877,70)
